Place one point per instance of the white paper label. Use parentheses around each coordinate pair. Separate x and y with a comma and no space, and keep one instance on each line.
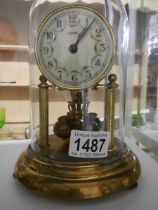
(89,144)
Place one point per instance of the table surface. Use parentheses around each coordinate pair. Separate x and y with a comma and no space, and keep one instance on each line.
(147,137)
(14,196)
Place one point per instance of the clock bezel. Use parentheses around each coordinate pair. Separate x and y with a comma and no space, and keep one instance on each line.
(102,75)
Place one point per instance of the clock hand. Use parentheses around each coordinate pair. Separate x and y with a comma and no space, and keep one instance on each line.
(83,33)
(73,47)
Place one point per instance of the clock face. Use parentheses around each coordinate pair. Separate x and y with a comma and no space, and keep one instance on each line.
(75,47)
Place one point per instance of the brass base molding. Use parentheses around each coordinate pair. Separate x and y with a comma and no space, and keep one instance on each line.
(77,180)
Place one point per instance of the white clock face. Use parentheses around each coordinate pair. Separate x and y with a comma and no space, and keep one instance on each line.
(75,47)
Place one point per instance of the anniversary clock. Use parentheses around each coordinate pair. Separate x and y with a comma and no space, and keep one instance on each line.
(77,62)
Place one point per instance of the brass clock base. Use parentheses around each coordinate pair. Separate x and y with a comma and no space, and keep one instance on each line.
(77,180)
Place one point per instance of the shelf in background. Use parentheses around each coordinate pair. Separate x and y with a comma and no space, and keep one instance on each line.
(14,47)
(14,130)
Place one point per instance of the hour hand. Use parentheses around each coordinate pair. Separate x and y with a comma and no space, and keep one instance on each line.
(73,48)
(83,33)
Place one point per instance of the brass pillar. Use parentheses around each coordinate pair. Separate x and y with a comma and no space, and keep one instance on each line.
(43,112)
(110,108)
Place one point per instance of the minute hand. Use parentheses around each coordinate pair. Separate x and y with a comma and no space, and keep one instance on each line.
(82,33)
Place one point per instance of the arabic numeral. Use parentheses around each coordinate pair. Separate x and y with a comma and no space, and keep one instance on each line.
(94,146)
(60,74)
(72,18)
(88,73)
(98,63)
(78,144)
(74,77)
(45,50)
(102,141)
(98,32)
(102,47)
(90,145)
(59,23)
(86,145)
(49,35)
(51,64)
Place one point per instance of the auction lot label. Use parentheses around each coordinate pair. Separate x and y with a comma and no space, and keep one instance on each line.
(89,144)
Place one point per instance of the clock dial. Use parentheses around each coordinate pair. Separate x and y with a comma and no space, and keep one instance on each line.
(75,47)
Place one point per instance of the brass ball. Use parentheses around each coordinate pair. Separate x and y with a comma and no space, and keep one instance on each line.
(42,79)
(112,78)
(62,127)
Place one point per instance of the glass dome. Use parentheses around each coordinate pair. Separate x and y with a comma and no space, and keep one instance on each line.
(78,54)
(60,99)
(142,117)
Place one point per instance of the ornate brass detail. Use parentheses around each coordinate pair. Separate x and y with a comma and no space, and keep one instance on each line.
(77,180)
(62,127)
(47,168)
(78,117)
